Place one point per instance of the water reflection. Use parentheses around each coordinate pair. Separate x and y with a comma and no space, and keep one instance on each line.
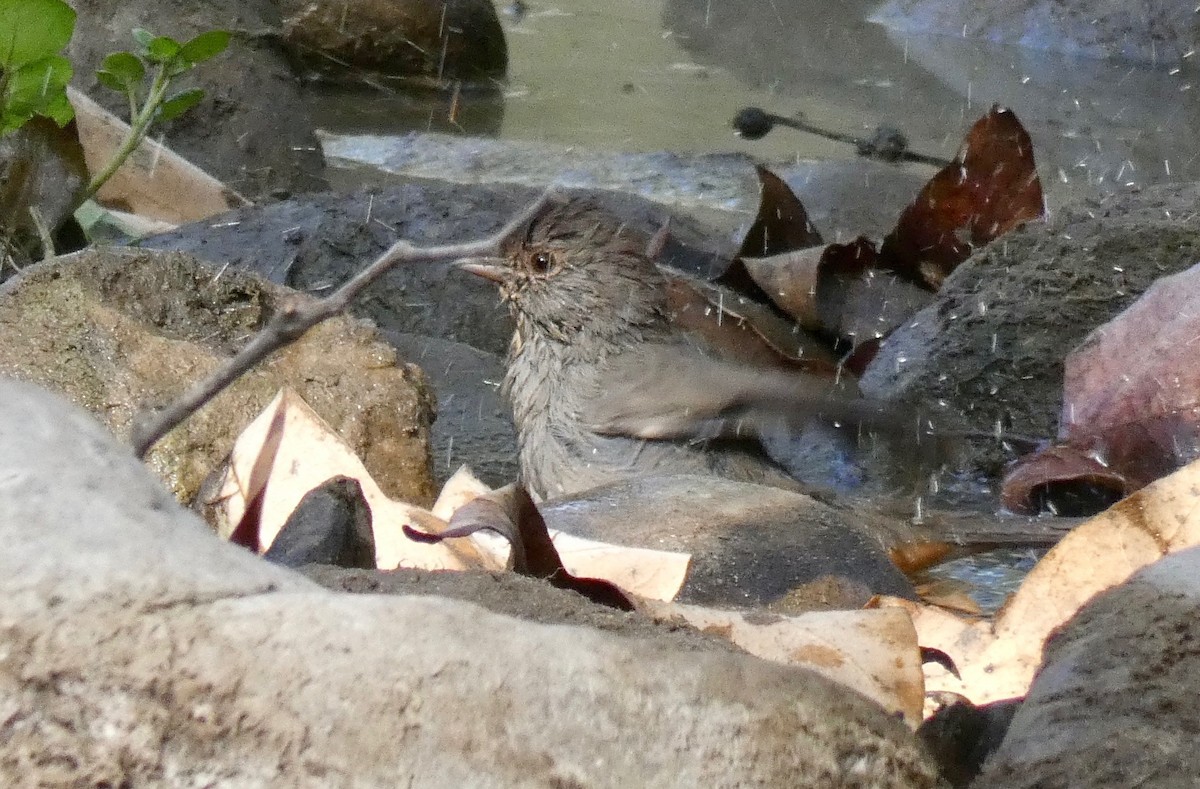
(640,75)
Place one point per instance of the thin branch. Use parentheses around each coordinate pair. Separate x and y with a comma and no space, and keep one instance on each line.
(43,233)
(294,319)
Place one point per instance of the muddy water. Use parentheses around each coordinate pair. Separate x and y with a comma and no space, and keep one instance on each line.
(648,75)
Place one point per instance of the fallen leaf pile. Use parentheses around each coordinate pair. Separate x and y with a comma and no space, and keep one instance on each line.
(841,300)
(289,451)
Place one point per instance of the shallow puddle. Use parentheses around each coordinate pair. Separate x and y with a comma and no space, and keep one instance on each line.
(648,75)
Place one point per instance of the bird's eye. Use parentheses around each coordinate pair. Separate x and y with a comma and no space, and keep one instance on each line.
(540,262)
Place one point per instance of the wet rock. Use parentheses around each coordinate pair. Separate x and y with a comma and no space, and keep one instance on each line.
(143,647)
(474,422)
(844,199)
(331,525)
(117,330)
(440,39)
(252,130)
(318,241)
(1154,33)
(750,544)
(1114,702)
(993,343)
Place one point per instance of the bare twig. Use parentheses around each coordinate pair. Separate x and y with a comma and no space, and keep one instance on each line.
(293,320)
(43,233)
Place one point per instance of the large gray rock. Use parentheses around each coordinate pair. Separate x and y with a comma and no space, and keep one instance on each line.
(993,343)
(317,241)
(1115,702)
(750,544)
(474,422)
(1154,32)
(139,650)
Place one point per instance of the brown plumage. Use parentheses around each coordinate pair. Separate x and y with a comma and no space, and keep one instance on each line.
(603,387)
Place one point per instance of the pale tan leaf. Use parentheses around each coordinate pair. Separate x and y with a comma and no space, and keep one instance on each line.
(309,452)
(997,661)
(873,651)
(155,182)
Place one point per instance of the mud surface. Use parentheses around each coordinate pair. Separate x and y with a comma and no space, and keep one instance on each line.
(992,345)
(517,596)
(253,128)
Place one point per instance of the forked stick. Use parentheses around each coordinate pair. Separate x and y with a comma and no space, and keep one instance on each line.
(294,319)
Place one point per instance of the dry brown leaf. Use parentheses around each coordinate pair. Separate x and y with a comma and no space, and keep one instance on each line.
(998,660)
(991,187)
(743,330)
(790,280)
(781,226)
(875,655)
(1131,405)
(512,513)
(155,182)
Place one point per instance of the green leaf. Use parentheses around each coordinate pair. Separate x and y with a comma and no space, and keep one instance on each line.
(33,29)
(110,81)
(122,71)
(162,49)
(59,109)
(37,88)
(35,85)
(179,104)
(205,46)
(142,36)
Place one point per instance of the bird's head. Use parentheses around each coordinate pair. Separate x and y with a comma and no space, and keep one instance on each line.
(577,270)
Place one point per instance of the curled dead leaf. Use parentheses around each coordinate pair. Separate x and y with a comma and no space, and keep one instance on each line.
(511,513)
(990,188)
(781,225)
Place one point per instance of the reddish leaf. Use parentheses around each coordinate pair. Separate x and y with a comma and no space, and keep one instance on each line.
(781,226)
(246,533)
(1131,402)
(1062,479)
(511,513)
(991,187)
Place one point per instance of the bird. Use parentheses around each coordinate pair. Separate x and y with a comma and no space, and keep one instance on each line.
(604,387)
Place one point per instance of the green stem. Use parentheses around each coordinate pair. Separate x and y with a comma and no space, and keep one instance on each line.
(139,124)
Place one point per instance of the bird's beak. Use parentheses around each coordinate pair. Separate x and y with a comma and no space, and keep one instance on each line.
(495,269)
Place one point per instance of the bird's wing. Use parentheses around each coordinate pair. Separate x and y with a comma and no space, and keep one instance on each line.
(671,392)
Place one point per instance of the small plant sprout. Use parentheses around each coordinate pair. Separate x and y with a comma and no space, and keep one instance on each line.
(161,60)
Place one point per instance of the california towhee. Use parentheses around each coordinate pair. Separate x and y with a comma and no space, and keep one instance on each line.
(603,387)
